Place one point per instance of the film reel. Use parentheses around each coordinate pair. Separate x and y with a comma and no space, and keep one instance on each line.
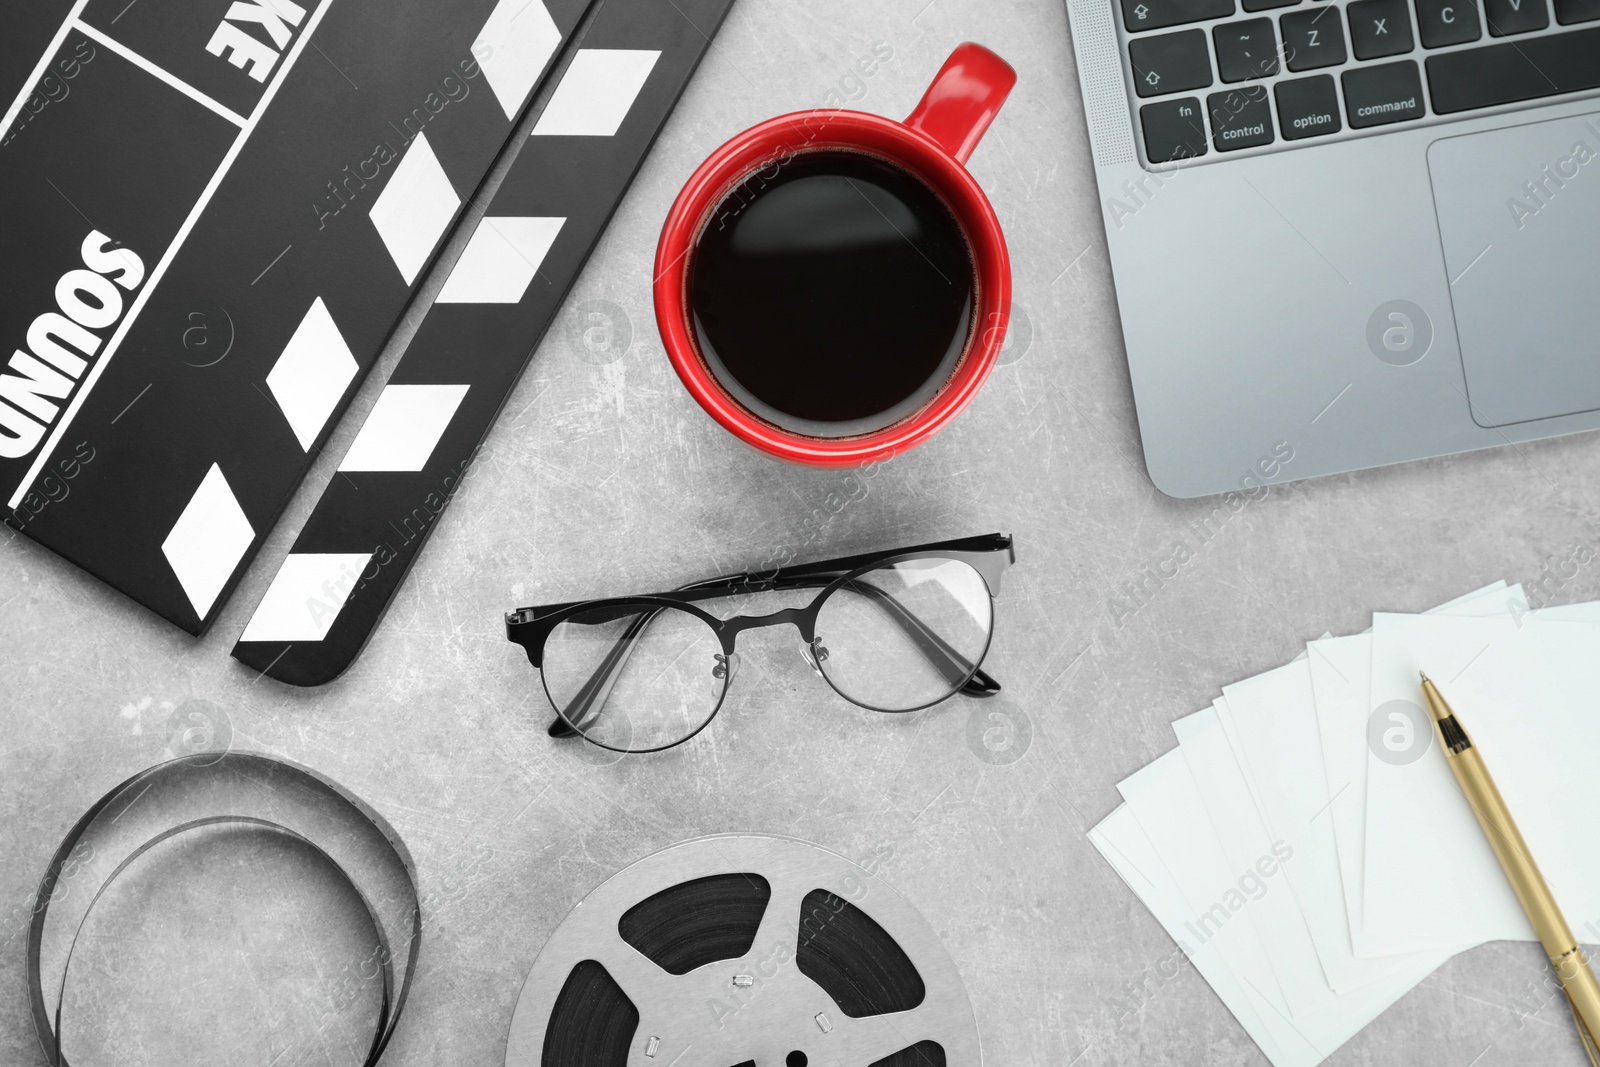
(743,950)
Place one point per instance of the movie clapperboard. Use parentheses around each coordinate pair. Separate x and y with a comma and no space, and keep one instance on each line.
(218,211)
(612,93)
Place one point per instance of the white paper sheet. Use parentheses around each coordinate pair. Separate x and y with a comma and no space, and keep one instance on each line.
(1271,720)
(1341,674)
(1524,688)
(1168,807)
(1314,866)
(1255,858)
(1123,843)
(1165,801)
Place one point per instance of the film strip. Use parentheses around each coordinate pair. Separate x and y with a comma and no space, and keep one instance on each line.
(182,797)
(743,949)
(615,89)
(228,206)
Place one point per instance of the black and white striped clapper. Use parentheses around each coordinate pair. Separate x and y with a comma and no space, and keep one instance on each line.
(216,212)
(616,84)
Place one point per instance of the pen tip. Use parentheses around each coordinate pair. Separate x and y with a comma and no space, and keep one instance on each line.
(1423,675)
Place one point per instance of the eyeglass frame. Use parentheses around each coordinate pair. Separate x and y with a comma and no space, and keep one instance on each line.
(988,554)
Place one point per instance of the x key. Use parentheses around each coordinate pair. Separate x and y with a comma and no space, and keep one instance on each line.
(1380,28)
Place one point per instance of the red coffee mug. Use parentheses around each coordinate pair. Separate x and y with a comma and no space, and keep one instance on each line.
(933,145)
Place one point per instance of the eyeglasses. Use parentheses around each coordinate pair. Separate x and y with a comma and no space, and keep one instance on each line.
(892,631)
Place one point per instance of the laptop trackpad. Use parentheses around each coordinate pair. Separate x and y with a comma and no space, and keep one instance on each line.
(1519,213)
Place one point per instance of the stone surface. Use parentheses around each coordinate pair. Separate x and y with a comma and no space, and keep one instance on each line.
(603,477)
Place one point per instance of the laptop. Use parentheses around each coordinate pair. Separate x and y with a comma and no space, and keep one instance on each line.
(1347,233)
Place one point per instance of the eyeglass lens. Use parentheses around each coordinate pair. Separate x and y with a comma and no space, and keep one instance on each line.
(905,635)
(635,679)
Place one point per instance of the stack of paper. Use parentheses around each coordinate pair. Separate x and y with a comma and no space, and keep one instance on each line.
(1306,844)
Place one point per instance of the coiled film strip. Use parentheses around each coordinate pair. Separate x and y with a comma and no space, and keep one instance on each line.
(740,950)
(218,789)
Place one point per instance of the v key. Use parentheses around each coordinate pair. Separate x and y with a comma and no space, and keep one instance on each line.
(1508,17)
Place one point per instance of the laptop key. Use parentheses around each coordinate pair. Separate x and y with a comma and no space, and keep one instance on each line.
(1246,50)
(1170,63)
(1570,11)
(1525,69)
(1266,5)
(1308,107)
(1141,15)
(1507,17)
(1379,28)
(1377,96)
(1173,129)
(1240,118)
(1445,22)
(1313,39)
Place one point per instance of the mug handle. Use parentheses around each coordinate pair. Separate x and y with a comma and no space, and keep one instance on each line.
(964,99)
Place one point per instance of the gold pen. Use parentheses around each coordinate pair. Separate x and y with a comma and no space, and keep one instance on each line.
(1577,980)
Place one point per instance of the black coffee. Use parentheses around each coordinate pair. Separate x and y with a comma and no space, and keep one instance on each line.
(835,298)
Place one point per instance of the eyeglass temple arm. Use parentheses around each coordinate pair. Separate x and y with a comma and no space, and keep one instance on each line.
(597,690)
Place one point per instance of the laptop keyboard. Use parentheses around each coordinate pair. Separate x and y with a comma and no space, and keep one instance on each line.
(1212,77)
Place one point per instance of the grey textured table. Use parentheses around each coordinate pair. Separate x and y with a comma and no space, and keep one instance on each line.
(604,477)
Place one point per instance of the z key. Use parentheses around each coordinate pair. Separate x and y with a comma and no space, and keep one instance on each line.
(1313,39)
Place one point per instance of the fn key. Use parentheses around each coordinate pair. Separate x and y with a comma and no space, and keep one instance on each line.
(1173,129)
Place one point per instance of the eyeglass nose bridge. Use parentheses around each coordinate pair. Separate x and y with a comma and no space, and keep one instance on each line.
(801,619)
